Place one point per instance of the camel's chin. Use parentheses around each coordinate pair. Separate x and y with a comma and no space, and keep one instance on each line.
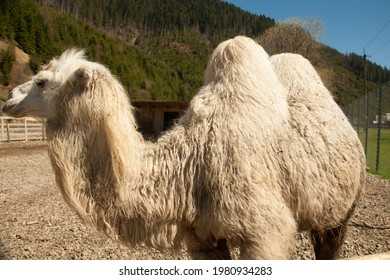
(13,110)
(7,108)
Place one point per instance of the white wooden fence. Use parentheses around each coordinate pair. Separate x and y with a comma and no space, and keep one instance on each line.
(23,129)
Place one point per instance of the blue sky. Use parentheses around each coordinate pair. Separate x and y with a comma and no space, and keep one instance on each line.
(349,25)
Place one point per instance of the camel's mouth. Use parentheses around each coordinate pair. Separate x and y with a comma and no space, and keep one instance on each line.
(11,109)
(8,106)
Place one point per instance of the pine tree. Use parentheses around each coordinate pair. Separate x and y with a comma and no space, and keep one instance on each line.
(7,59)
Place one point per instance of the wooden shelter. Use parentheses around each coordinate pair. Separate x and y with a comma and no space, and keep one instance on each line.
(154,117)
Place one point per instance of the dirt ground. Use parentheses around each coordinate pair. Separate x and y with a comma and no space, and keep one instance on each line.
(35,222)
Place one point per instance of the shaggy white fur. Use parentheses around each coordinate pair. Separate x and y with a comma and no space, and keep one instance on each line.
(222,177)
(321,155)
(329,162)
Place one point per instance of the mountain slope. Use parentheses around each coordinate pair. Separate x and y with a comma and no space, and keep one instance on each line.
(212,17)
(158,48)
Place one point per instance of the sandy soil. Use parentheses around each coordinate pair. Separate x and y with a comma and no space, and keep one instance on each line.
(35,222)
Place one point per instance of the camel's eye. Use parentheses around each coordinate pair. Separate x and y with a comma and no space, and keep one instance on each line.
(40,83)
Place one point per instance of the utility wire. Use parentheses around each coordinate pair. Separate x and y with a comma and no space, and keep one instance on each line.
(380,48)
(386,59)
(377,35)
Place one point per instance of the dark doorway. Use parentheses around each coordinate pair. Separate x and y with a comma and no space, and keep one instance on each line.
(169,119)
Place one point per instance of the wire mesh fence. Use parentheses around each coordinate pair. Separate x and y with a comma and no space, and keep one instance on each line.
(370,116)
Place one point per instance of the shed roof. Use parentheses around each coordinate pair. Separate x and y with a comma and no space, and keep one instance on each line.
(161,103)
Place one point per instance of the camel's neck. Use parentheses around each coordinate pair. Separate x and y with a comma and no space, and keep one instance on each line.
(115,181)
(93,158)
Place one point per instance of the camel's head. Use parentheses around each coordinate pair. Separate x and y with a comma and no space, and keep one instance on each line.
(39,96)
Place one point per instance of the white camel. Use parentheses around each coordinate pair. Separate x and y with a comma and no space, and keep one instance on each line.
(216,180)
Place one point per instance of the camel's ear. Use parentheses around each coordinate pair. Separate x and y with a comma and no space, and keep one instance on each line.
(82,76)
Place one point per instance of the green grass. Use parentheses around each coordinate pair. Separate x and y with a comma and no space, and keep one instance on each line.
(384,154)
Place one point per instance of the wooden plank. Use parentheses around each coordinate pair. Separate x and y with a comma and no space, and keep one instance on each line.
(379,256)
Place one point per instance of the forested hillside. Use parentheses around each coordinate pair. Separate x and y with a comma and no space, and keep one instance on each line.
(212,17)
(158,48)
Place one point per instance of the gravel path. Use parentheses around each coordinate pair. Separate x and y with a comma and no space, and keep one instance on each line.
(35,222)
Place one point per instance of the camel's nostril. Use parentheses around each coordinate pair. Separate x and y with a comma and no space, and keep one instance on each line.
(10,95)
(6,108)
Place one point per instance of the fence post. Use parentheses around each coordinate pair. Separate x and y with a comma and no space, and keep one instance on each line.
(43,131)
(367,122)
(358,117)
(8,133)
(25,131)
(2,128)
(367,102)
(379,129)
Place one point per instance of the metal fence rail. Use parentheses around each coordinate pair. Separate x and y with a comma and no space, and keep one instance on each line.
(370,116)
(23,129)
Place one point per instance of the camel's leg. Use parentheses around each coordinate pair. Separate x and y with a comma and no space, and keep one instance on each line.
(208,248)
(270,232)
(272,241)
(327,242)
(265,250)
(249,250)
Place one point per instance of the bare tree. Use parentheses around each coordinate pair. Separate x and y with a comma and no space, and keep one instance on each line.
(294,35)
(314,26)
